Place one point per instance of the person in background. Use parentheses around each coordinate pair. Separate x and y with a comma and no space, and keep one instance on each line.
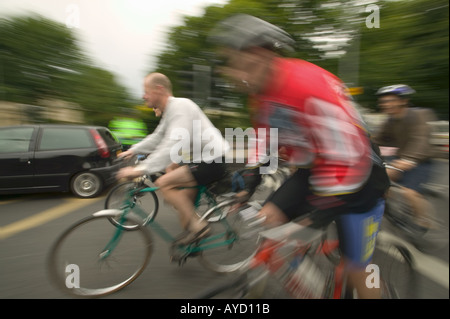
(404,139)
(129,131)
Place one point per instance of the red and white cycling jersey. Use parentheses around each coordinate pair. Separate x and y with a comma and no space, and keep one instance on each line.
(317,126)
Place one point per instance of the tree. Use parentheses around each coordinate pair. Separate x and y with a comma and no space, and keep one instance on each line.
(37,56)
(410,46)
(41,59)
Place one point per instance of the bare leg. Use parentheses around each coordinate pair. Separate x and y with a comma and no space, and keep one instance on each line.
(273,215)
(419,204)
(181,199)
(420,207)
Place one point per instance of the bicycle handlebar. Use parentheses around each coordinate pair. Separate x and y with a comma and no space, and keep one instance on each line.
(394,168)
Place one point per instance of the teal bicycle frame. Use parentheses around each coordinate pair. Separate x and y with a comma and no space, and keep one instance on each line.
(210,242)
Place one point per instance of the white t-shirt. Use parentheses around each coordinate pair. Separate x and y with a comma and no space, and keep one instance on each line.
(184,135)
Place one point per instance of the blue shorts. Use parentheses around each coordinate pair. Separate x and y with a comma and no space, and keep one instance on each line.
(357,234)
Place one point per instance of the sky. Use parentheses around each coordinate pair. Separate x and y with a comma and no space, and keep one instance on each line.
(122,36)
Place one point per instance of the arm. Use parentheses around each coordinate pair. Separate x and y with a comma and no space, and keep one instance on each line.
(166,151)
(383,135)
(149,143)
(417,147)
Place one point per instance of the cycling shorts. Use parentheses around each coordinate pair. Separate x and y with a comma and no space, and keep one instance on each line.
(295,199)
(357,233)
(207,173)
(357,216)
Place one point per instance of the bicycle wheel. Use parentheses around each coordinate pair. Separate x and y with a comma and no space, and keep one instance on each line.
(396,276)
(399,212)
(395,264)
(400,215)
(95,258)
(232,241)
(143,206)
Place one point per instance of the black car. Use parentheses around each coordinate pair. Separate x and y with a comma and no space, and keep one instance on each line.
(46,157)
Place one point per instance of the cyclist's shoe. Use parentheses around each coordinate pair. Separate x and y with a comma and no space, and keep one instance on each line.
(188,237)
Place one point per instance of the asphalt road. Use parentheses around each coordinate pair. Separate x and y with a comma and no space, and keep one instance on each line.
(30,223)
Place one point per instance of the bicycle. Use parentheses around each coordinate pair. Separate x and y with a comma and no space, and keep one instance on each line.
(402,221)
(303,261)
(112,247)
(392,256)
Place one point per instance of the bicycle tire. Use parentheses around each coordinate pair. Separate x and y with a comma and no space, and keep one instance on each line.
(397,278)
(305,275)
(399,214)
(222,257)
(396,269)
(142,205)
(82,247)
(250,284)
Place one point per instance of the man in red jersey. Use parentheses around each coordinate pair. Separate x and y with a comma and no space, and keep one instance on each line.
(319,132)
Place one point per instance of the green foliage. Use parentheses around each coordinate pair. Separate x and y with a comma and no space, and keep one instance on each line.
(411,45)
(36,57)
(41,59)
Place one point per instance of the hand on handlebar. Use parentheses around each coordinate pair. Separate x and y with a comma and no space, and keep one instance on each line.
(126,155)
(129,173)
(396,168)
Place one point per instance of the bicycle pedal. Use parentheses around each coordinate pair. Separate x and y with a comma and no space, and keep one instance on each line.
(181,262)
(175,258)
(182,258)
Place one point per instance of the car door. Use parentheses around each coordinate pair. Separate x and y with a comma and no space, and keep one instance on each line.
(16,158)
(60,153)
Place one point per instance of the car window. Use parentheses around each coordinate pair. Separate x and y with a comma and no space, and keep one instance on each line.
(15,139)
(108,137)
(64,138)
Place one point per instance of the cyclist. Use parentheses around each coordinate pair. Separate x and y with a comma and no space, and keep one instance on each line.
(406,130)
(319,132)
(183,128)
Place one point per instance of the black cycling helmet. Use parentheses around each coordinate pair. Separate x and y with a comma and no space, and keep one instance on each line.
(402,90)
(242,31)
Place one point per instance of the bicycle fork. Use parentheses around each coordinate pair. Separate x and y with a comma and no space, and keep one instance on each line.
(111,245)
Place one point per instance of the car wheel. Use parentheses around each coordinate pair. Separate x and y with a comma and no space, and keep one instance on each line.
(86,185)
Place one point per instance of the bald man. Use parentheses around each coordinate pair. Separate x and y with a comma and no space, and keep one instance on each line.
(178,146)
